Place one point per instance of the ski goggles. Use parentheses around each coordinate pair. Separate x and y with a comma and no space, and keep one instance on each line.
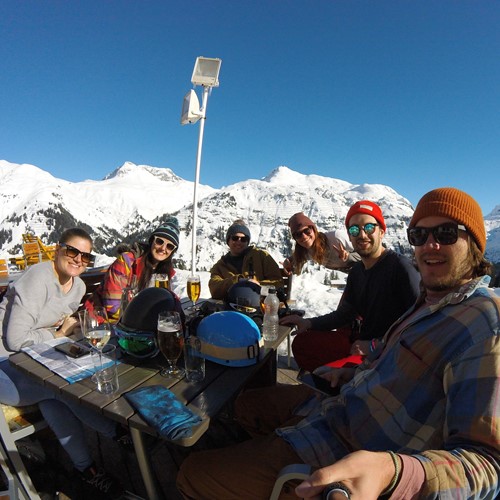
(136,343)
(72,253)
(444,234)
(369,228)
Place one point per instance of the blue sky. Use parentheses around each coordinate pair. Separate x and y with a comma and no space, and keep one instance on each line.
(402,93)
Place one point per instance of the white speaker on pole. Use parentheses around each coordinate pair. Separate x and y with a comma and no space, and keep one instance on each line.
(190,108)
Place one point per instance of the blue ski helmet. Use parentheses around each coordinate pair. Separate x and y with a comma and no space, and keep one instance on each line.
(230,338)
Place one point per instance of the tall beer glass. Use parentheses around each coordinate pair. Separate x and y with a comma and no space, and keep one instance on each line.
(170,342)
(194,288)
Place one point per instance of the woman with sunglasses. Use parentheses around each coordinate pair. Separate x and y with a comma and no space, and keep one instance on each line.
(242,262)
(332,250)
(39,306)
(136,267)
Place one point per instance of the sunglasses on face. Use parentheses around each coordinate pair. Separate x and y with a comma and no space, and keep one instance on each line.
(444,234)
(243,239)
(369,228)
(160,242)
(298,234)
(73,253)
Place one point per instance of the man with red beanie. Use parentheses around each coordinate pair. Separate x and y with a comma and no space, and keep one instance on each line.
(420,421)
(378,290)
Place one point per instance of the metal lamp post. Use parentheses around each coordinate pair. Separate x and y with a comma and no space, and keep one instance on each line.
(205,73)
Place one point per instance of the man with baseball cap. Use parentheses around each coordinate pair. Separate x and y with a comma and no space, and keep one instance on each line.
(378,290)
(420,421)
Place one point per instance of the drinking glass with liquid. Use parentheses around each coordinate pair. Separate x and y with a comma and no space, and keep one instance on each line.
(97,330)
(170,342)
(161,281)
(193,288)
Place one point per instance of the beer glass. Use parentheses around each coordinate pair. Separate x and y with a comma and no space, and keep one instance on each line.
(170,342)
(161,280)
(194,288)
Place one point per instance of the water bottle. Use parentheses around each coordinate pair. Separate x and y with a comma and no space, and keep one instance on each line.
(270,323)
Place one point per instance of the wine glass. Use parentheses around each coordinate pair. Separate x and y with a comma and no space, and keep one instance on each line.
(97,330)
(194,288)
(170,342)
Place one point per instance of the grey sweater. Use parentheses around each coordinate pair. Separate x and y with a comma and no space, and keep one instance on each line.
(33,306)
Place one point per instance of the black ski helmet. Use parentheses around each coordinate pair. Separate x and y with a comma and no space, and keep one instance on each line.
(244,296)
(136,330)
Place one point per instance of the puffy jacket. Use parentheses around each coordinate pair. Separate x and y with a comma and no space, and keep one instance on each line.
(256,261)
(120,274)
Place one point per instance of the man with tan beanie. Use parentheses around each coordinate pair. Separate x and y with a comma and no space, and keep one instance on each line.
(420,421)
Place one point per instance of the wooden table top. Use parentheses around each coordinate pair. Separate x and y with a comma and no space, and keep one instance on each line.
(205,398)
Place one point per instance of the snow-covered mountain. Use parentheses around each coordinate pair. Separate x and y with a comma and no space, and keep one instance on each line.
(492,223)
(132,200)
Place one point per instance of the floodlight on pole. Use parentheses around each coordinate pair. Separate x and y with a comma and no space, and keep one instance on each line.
(205,73)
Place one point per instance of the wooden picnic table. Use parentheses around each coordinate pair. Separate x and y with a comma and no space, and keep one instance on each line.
(206,398)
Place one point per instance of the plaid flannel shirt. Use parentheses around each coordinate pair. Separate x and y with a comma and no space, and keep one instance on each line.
(433,394)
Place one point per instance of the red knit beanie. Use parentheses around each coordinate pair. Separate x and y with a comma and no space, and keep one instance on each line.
(453,204)
(299,220)
(368,208)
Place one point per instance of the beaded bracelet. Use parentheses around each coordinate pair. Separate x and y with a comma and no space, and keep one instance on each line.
(395,478)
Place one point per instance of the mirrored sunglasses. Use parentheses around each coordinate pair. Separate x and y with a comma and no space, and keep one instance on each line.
(369,228)
(298,234)
(444,234)
(160,242)
(73,252)
(243,239)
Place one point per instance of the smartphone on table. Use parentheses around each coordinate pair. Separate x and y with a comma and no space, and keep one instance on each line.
(73,349)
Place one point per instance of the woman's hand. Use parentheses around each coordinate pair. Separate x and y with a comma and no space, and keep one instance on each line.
(343,253)
(66,327)
(287,266)
(294,319)
(367,474)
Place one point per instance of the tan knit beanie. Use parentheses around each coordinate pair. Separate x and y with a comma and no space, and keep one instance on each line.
(299,220)
(456,205)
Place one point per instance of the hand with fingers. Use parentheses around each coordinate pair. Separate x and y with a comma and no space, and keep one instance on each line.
(362,474)
(294,319)
(287,266)
(343,253)
(336,376)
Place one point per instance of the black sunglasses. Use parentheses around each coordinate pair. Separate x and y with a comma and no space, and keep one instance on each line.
(73,252)
(243,239)
(444,234)
(369,228)
(160,242)
(298,234)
